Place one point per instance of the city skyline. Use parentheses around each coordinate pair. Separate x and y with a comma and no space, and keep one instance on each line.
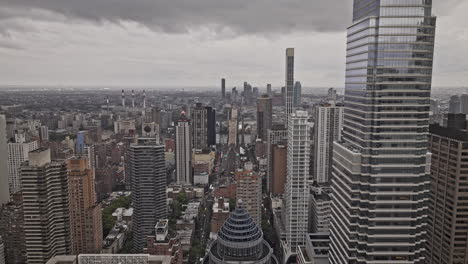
(256,167)
(144,51)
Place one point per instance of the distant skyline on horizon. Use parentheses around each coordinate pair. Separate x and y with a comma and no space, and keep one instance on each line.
(167,88)
(437,92)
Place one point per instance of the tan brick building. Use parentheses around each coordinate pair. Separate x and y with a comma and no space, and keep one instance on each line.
(279,158)
(85,213)
(249,190)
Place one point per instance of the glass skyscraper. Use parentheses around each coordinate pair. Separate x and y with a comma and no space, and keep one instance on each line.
(380,174)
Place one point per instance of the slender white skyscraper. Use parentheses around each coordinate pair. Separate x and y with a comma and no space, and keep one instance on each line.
(381,168)
(289,94)
(296,200)
(4,190)
(328,125)
(183,151)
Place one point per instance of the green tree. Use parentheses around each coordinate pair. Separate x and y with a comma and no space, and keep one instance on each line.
(182,198)
(195,251)
(108,221)
(232,204)
(175,213)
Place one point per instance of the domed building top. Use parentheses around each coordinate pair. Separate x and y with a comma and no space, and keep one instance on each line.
(239,227)
(240,240)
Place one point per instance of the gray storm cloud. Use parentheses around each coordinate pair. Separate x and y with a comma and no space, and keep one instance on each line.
(179,16)
(103,40)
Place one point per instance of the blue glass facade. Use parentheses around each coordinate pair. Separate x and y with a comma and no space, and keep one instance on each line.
(80,142)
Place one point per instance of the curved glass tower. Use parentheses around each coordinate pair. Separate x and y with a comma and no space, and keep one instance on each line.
(380,170)
(240,240)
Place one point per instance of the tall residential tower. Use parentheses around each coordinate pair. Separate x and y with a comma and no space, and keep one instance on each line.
(146,166)
(381,167)
(297,99)
(277,135)
(328,125)
(199,127)
(289,88)
(264,116)
(4,189)
(447,232)
(203,126)
(223,88)
(44,185)
(296,200)
(249,190)
(183,151)
(85,212)
(18,152)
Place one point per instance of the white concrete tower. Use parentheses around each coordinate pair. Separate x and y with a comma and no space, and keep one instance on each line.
(328,126)
(296,200)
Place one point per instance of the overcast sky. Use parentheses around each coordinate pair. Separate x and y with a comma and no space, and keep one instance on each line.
(196,42)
